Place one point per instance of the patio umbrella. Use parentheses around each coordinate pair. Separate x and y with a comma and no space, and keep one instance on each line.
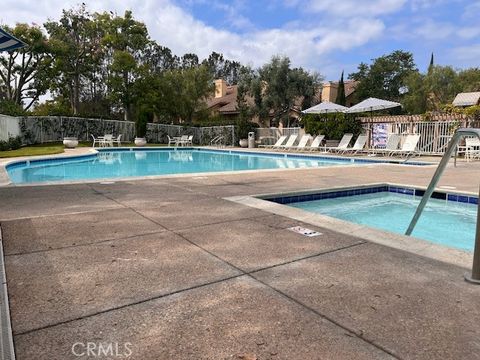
(325,108)
(9,42)
(372,104)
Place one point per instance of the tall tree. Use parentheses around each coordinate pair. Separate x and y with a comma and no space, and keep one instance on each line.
(73,48)
(277,88)
(222,68)
(341,99)
(25,73)
(126,40)
(385,77)
(432,63)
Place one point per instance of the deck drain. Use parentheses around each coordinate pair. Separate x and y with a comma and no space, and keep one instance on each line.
(304,231)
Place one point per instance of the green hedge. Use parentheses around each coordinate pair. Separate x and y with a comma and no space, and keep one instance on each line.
(333,126)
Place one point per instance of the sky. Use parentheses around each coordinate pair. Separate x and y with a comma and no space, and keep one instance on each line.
(326,36)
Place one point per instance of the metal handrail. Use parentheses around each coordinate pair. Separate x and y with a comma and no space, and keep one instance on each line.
(452,146)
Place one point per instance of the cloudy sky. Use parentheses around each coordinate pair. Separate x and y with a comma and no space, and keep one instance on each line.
(322,35)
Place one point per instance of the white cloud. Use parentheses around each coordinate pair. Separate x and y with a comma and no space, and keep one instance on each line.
(348,8)
(176,28)
(467,53)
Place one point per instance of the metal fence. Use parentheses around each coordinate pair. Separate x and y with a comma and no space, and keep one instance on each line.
(42,129)
(434,135)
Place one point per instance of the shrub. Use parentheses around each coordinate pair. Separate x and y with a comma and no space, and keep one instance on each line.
(333,126)
(141,123)
(13,143)
(244,127)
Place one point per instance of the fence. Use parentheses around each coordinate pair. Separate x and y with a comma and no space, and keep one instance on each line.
(268,136)
(435,133)
(41,129)
(9,127)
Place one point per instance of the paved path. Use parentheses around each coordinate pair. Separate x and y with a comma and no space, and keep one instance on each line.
(168,269)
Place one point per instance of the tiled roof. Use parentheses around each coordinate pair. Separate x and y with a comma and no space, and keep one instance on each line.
(467,99)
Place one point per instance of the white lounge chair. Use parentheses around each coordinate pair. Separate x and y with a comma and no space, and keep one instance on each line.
(343,145)
(391,145)
(301,144)
(277,144)
(408,147)
(315,145)
(358,146)
(291,140)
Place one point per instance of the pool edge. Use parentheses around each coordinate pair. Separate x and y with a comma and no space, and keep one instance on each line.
(349,161)
(409,244)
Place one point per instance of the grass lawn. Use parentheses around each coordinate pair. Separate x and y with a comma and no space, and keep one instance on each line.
(48,149)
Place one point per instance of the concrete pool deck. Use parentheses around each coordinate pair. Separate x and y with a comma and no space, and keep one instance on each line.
(170,269)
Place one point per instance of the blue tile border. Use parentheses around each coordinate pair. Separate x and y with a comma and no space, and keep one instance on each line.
(288,199)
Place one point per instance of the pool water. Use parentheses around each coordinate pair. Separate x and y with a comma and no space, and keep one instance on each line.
(126,163)
(448,223)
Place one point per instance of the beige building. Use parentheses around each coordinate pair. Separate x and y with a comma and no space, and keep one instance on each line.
(330,91)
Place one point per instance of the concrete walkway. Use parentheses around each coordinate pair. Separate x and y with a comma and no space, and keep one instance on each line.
(169,269)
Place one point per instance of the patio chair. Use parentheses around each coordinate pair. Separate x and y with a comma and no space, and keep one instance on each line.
(315,145)
(358,146)
(183,140)
(279,142)
(301,144)
(172,141)
(472,149)
(95,140)
(391,145)
(118,140)
(408,147)
(291,140)
(342,145)
(190,140)
(108,140)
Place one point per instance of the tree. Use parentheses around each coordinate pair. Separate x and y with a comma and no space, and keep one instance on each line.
(276,89)
(177,95)
(341,99)
(442,85)
(469,80)
(74,49)
(126,39)
(415,98)
(25,73)
(432,63)
(222,68)
(385,77)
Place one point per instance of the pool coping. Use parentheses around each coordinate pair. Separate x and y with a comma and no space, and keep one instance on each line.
(401,242)
(349,162)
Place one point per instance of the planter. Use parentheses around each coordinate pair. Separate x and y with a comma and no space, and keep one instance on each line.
(243,143)
(140,142)
(70,142)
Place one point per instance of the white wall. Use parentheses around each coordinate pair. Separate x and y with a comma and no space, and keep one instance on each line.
(9,127)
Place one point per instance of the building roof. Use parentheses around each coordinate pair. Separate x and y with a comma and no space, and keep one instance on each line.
(227,103)
(467,99)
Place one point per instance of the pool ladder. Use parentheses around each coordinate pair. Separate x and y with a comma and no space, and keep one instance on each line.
(452,146)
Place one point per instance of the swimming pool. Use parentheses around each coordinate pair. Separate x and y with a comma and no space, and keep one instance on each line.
(124,163)
(448,219)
